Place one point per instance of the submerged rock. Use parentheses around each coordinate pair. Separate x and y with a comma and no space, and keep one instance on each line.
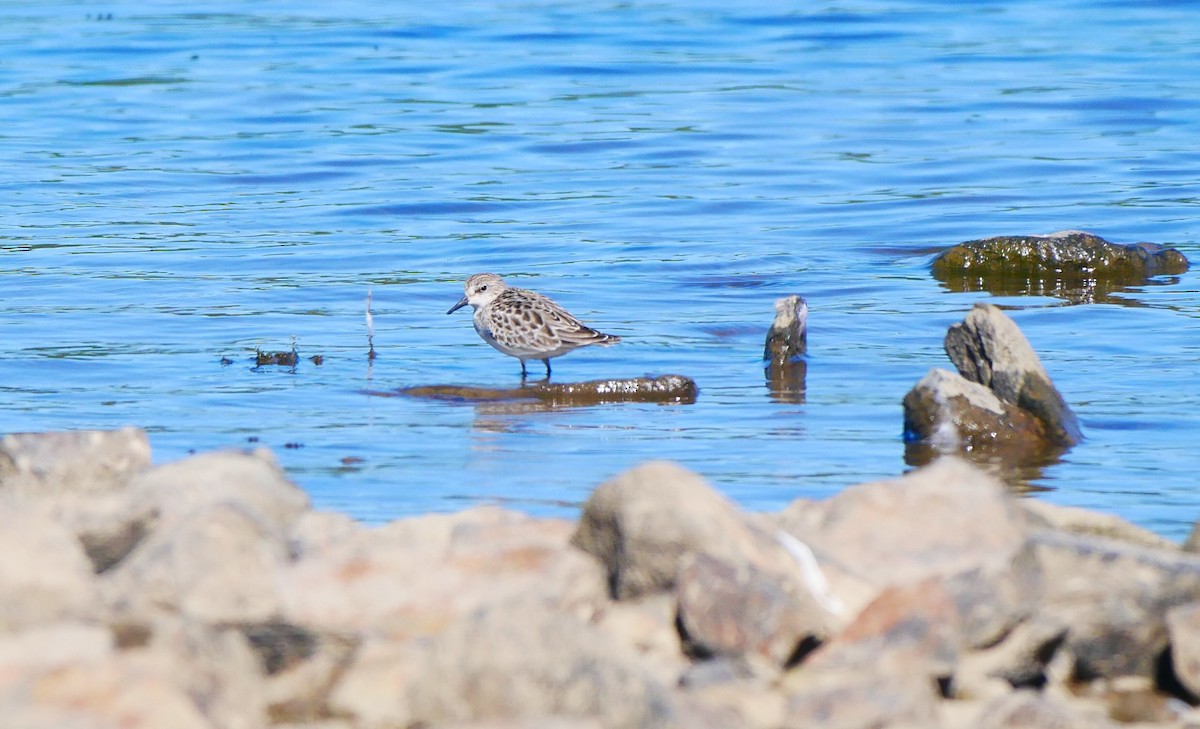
(783,353)
(662,389)
(1002,404)
(1070,264)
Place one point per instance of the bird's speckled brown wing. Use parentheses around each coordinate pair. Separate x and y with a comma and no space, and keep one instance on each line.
(526,324)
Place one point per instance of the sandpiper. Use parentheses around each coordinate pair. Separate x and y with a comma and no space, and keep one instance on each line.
(524,324)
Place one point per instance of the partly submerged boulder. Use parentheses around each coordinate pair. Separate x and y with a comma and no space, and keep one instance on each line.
(1070,264)
(1001,405)
(783,353)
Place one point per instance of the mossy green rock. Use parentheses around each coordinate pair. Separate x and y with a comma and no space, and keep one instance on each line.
(1070,264)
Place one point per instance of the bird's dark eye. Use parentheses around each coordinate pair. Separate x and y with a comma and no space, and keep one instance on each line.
(483,288)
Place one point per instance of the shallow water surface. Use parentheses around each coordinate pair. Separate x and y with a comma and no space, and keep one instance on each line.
(182,186)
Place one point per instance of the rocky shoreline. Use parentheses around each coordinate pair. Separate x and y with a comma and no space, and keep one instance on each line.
(207,593)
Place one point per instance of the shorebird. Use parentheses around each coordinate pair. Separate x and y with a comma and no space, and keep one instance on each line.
(523,323)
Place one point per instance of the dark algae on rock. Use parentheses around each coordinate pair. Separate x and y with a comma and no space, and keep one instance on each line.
(1070,264)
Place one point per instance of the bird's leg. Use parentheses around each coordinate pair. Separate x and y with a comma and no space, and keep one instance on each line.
(547,361)
(524,374)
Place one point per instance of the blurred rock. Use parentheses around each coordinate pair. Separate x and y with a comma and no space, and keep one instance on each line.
(739,610)
(943,519)
(642,523)
(1183,630)
(512,662)
(1113,597)
(44,575)
(1085,522)
(253,480)
(217,565)
(41,465)
(416,577)
(1029,710)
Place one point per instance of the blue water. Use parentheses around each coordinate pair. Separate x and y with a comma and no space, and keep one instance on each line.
(184,183)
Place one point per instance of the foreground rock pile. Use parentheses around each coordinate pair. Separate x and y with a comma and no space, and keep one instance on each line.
(208,594)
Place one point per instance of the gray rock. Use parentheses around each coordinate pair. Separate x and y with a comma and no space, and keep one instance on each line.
(509,663)
(641,524)
(783,352)
(1113,597)
(1026,710)
(415,577)
(253,480)
(989,348)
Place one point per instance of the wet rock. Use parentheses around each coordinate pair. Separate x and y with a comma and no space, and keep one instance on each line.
(1114,598)
(1002,404)
(951,414)
(44,575)
(662,389)
(1073,265)
(215,565)
(988,348)
(416,577)
(783,353)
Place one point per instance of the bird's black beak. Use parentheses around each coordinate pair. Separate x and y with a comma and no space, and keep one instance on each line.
(461,303)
